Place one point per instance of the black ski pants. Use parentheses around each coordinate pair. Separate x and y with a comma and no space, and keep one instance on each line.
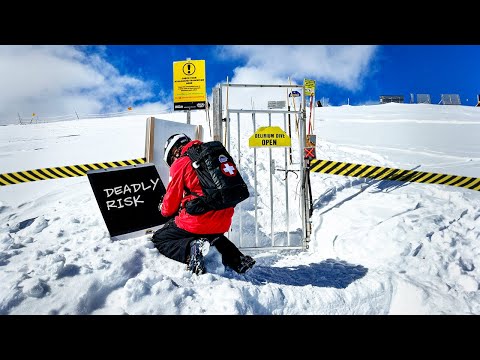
(174,243)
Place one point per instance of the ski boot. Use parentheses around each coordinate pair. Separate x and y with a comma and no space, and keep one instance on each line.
(245,264)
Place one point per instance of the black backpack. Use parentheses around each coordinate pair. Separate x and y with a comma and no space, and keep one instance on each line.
(221,182)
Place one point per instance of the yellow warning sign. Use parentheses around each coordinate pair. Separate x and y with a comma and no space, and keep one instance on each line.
(189,86)
(269,136)
(309,87)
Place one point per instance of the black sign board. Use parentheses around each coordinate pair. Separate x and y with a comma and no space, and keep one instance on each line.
(128,197)
(195,105)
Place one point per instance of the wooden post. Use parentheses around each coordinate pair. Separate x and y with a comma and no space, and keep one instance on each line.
(149,139)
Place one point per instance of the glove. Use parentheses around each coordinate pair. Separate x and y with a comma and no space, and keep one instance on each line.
(163,219)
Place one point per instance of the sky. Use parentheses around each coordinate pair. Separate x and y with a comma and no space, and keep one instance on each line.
(67,81)
(377,247)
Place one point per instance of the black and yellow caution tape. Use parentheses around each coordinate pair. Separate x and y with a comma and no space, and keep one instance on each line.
(61,171)
(385,173)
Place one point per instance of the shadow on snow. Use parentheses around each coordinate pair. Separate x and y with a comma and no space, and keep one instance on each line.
(328,273)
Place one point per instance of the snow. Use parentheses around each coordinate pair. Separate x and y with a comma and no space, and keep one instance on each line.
(377,247)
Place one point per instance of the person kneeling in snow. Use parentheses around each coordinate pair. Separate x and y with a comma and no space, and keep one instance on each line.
(184,237)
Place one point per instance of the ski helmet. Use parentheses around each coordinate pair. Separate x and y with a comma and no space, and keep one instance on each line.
(172,145)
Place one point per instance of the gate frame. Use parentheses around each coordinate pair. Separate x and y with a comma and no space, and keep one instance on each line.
(217,126)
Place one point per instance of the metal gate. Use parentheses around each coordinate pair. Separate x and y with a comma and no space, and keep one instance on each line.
(276,176)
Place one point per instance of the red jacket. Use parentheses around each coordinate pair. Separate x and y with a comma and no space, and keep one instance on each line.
(182,175)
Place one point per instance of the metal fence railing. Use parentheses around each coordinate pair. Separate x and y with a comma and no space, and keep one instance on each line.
(36,119)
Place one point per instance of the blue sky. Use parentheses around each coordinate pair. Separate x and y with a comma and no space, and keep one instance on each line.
(391,69)
(55,80)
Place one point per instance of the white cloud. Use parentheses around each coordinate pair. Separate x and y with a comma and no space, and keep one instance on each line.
(58,80)
(341,65)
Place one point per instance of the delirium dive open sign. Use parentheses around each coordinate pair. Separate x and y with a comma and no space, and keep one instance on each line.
(128,197)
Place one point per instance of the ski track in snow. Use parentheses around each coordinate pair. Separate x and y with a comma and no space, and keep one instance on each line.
(350,201)
(377,247)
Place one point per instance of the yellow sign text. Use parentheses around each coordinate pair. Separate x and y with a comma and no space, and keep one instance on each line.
(189,81)
(309,87)
(270,136)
